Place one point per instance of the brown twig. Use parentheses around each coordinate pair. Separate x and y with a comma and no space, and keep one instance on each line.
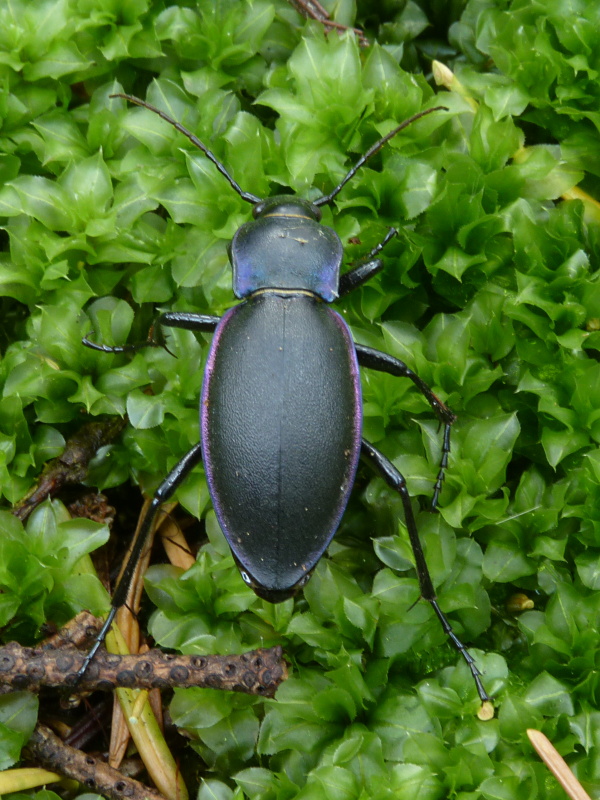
(94,506)
(175,544)
(96,718)
(128,625)
(72,465)
(312,9)
(24,668)
(78,632)
(46,748)
(557,765)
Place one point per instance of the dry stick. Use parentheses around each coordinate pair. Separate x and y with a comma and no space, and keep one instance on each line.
(175,544)
(81,734)
(257,672)
(78,632)
(311,9)
(146,733)
(72,465)
(557,765)
(48,749)
(126,621)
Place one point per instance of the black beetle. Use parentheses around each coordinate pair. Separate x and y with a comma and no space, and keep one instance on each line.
(281,410)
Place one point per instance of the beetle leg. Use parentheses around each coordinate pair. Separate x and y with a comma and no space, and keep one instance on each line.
(121,348)
(171,319)
(190,322)
(162,494)
(375,359)
(365,268)
(396,481)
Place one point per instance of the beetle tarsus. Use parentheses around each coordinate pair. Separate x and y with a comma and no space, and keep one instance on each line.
(121,348)
(460,647)
(365,269)
(437,488)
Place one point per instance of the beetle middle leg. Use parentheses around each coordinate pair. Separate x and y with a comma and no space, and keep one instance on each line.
(170,319)
(375,359)
(396,481)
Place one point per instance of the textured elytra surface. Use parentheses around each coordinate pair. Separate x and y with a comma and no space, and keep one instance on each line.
(281,421)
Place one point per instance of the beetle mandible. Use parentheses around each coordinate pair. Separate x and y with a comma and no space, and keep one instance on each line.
(281,409)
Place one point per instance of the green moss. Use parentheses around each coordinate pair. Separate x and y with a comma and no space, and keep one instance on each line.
(490,293)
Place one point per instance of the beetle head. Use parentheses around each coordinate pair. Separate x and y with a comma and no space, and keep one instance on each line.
(286,205)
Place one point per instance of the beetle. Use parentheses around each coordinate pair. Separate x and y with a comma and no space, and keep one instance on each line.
(281,408)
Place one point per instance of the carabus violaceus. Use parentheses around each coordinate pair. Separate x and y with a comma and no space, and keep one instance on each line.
(281,408)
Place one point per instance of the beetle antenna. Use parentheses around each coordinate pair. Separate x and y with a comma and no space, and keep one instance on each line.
(247,196)
(371,152)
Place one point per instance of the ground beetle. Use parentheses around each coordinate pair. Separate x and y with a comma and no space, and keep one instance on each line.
(281,409)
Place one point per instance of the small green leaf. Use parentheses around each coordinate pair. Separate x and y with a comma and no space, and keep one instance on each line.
(549,696)
(503,562)
(18,716)
(211,789)
(144,411)
(43,200)
(63,58)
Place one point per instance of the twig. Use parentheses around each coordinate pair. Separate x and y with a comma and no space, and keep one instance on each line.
(175,544)
(78,632)
(96,718)
(557,765)
(24,668)
(312,9)
(45,747)
(128,625)
(72,465)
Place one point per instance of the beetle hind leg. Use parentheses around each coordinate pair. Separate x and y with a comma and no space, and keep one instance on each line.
(396,481)
(162,494)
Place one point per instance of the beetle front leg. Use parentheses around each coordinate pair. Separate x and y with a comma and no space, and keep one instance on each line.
(396,481)
(366,268)
(162,494)
(375,359)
